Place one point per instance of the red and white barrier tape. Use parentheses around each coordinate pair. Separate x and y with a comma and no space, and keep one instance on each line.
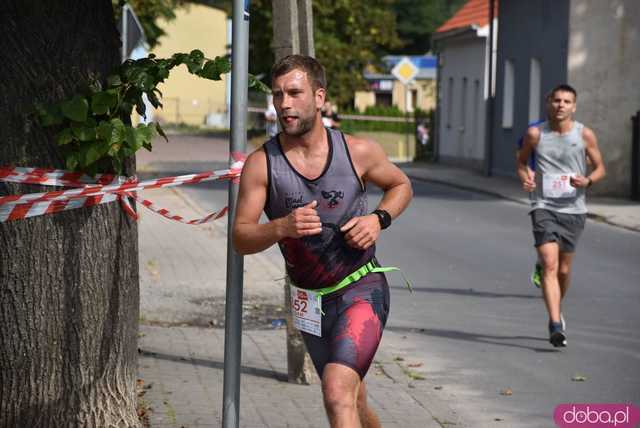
(109,188)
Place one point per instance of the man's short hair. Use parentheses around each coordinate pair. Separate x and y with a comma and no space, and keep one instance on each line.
(563,88)
(314,70)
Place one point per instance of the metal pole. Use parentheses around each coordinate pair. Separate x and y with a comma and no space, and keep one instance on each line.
(233,308)
(488,153)
(635,157)
(407,94)
(123,52)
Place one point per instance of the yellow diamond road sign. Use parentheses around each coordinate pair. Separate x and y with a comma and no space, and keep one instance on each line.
(405,71)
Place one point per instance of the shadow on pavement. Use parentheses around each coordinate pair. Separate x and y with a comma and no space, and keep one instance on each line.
(474,337)
(253,371)
(464,292)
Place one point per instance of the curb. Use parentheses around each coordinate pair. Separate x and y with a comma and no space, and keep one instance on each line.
(591,215)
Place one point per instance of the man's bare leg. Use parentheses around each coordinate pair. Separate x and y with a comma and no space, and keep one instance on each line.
(340,385)
(564,272)
(368,417)
(548,254)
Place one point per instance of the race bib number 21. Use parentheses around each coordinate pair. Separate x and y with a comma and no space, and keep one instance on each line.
(558,186)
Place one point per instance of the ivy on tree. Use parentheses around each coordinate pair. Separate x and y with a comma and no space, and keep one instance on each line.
(93,138)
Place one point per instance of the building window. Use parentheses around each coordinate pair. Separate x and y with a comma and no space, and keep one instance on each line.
(463,105)
(383,99)
(449,102)
(534,90)
(476,107)
(508,94)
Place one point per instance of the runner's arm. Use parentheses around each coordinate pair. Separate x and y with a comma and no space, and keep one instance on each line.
(526,175)
(249,235)
(595,157)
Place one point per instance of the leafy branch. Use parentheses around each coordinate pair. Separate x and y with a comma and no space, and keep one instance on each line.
(94,138)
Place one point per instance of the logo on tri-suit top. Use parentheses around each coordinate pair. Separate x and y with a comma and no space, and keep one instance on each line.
(294,200)
(333,196)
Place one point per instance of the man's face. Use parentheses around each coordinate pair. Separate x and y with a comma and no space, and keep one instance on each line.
(296,102)
(561,105)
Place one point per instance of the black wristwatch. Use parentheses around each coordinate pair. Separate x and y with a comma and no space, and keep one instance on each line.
(384,218)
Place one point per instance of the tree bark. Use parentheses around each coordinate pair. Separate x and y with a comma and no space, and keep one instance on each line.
(68,281)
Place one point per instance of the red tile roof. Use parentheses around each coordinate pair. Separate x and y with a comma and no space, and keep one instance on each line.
(474,12)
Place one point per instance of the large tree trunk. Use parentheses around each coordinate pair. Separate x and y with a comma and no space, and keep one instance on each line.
(68,281)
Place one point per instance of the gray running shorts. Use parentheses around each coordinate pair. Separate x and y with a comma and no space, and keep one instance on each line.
(551,226)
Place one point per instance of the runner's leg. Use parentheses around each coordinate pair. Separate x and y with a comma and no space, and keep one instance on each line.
(564,272)
(368,417)
(549,256)
(340,386)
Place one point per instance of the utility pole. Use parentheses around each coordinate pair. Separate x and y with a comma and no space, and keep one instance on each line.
(488,153)
(235,262)
(293,34)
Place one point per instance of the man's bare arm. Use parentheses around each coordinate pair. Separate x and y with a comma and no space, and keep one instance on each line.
(526,175)
(249,235)
(595,158)
(373,166)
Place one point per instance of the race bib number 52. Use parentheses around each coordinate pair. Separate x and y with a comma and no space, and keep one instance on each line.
(305,311)
(558,186)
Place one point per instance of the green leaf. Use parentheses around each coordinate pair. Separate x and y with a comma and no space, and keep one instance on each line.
(90,153)
(256,84)
(71,161)
(133,141)
(210,71)
(126,108)
(196,55)
(194,66)
(83,132)
(95,86)
(112,132)
(114,80)
(76,108)
(49,115)
(102,102)
(126,152)
(117,165)
(161,132)
(180,58)
(113,150)
(223,64)
(141,108)
(64,137)
(153,99)
(162,74)
(146,132)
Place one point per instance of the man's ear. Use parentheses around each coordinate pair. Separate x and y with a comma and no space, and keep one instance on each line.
(321,94)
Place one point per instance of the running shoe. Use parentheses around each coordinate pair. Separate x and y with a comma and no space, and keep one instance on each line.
(557,336)
(564,324)
(536,275)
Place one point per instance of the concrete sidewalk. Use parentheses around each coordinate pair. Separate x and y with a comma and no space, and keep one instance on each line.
(181,343)
(615,211)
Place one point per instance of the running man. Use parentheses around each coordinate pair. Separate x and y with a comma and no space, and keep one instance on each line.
(557,191)
(311,182)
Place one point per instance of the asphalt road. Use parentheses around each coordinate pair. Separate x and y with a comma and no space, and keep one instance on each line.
(474,311)
(477,323)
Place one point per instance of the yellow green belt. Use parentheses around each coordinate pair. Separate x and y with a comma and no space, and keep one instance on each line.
(356,276)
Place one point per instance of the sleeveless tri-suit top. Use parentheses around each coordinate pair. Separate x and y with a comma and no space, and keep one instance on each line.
(321,260)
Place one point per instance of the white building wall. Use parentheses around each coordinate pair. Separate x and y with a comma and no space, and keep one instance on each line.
(462,135)
(604,67)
